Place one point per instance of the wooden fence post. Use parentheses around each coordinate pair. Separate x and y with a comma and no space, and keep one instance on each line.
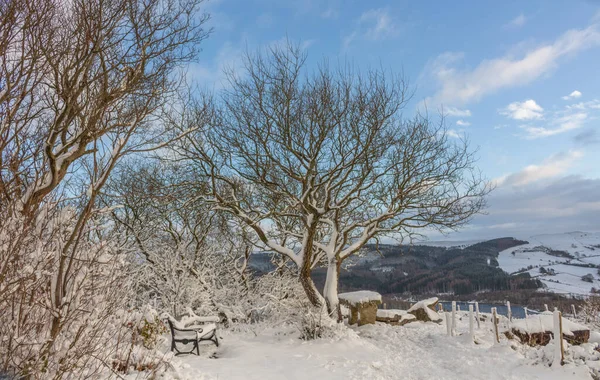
(440,307)
(526,315)
(448,324)
(471,325)
(495,321)
(453,318)
(509,311)
(477,315)
(559,350)
(573,311)
(546,307)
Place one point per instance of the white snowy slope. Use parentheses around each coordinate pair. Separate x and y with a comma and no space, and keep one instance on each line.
(564,258)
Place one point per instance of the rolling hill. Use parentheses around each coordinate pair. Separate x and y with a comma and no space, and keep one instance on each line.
(548,264)
(559,261)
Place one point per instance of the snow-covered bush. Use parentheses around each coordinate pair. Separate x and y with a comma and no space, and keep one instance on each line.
(69,113)
(138,342)
(590,312)
(45,334)
(313,323)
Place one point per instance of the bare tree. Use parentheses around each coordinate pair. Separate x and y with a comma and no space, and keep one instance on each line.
(82,84)
(318,164)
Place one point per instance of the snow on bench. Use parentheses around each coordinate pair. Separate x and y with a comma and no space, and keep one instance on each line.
(395,317)
(362,304)
(424,310)
(537,330)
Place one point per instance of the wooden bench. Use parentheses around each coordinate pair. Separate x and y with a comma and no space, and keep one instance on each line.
(201,329)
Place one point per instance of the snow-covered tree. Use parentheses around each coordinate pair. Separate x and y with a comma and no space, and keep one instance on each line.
(82,85)
(318,164)
(185,254)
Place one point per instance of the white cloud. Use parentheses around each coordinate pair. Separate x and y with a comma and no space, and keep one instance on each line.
(212,73)
(559,125)
(374,25)
(347,41)
(518,21)
(539,124)
(453,133)
(330,13)
(563,204)
(380,24)
(284,42)
(551,167)
(459,87)
(453,111)
(574,95)
(462,123)
(527,110)
(582,106)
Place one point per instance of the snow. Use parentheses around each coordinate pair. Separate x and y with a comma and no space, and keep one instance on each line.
(434,316)
(415,351)
(545,322)
(393,313)
(196,319)
(355,298)
(513,263)
(390,313)
(383,269)
(566,279)
(576,243)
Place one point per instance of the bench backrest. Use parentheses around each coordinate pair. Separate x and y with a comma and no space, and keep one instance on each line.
(179,334)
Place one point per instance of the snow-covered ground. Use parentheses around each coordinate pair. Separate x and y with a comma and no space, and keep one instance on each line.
(579,244)
(414,351)
(584,247)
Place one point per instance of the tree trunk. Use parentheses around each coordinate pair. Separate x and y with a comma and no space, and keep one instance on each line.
(309,286)
(307,283)
(330,291)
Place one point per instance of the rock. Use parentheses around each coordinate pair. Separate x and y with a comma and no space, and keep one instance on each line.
(538,330)
(543,338)
(363,306)
(367,313)
(395,317)
(425,310)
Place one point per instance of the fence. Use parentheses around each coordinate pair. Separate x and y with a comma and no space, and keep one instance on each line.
(474,315)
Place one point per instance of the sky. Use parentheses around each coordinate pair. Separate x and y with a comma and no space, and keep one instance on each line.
(520,80)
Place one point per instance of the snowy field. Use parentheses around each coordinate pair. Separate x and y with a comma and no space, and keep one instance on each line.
(584,247)
(414,351)
(579,244)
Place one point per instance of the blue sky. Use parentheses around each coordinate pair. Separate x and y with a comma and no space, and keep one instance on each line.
(519,79)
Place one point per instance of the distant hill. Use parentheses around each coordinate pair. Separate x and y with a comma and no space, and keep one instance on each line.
(564,264)
(422,269)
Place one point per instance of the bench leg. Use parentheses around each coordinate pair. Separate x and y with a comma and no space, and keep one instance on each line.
(213,338)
